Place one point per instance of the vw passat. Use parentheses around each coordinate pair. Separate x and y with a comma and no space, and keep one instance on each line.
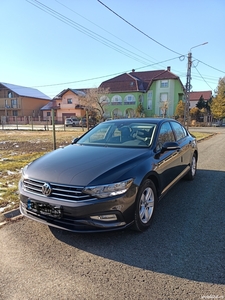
(111,177)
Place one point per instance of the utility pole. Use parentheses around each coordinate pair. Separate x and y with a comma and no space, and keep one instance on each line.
(187,90)
(188,86)
(53,128)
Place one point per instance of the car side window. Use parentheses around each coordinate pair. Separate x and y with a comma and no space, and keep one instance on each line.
(179,130)
(165,135)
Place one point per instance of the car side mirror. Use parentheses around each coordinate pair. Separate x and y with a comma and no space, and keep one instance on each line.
(170,146)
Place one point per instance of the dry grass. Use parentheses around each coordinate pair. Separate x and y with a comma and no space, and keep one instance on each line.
(18,148)
(201,135)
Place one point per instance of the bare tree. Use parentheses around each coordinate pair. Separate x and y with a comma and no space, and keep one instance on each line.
(140,110)
(93,102)
(164,107)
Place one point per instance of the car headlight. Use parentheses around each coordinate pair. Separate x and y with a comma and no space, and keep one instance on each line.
(23,172)
(108,190)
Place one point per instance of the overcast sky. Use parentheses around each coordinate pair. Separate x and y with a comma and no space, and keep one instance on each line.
(52,45)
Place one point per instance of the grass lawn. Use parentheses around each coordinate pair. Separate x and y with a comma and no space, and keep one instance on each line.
(18,148)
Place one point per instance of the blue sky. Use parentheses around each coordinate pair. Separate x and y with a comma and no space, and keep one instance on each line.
(80,43)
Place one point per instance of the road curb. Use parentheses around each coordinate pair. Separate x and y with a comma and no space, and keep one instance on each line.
(8,216)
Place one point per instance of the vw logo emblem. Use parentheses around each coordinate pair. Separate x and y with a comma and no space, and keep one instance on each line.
(46,189)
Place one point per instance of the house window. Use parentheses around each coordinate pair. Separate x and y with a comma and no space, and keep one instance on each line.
(14,103)
(48,113)
(117,113)
(164,83)
(10,94)
(149,100)
(163,97)
(129,100)
(164,105)
(141,98)
(104,100)
(6,104)
(15,113)
(69,101)
(116,100)
(149,107)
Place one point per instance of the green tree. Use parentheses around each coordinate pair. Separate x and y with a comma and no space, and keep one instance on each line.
(201,103)
(208,106)
(218,102)
(194,112)
(204,105)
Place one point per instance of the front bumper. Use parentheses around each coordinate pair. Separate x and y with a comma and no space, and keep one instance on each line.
(83,216)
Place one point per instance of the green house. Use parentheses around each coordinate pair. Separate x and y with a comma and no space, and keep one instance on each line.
(147,94)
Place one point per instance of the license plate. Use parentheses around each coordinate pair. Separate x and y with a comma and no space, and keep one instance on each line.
(44,209)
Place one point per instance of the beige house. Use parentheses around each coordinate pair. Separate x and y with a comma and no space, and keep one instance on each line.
(20,104)
(195,96)
(66,104)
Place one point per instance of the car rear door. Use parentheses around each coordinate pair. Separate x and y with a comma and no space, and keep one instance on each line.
(184,142)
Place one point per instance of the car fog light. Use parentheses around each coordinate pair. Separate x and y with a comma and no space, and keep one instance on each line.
(105,217)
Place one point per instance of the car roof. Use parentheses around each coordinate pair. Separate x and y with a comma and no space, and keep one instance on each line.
(143,120)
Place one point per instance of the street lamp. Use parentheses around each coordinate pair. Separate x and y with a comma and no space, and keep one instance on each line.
(199,45)
(188,85)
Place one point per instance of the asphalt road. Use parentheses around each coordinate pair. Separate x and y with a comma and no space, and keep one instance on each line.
(182,255)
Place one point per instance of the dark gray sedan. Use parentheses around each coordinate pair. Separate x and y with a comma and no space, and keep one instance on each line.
(109,178)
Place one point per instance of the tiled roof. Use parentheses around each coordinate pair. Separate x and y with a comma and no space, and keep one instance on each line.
(136,81)
(25,91)
(48,106)
(195,96)
(77,92)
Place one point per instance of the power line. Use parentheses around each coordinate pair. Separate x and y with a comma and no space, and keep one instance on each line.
(151,37)
(115,36)
(203,78)
(104,76)
(211,67)
(87,32)
(138,29)
(100,38)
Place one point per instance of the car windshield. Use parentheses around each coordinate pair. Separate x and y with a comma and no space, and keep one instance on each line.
(120,134)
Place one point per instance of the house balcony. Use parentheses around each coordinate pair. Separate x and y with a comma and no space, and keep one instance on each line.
(55,107)
(9,107)
(68,106)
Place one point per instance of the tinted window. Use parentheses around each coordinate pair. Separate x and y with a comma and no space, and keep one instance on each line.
(120,134)
(179,130)
(165,135)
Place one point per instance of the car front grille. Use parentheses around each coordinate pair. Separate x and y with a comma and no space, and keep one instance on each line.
(58,191)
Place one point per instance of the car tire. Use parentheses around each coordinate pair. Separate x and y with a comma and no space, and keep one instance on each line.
(145,205)
(193,167)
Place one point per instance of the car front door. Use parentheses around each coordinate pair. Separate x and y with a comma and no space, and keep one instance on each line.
(167,162)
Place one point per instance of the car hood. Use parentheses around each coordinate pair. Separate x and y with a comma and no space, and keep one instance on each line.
(85,165)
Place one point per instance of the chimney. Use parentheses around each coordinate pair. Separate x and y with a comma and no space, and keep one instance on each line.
(168,68)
